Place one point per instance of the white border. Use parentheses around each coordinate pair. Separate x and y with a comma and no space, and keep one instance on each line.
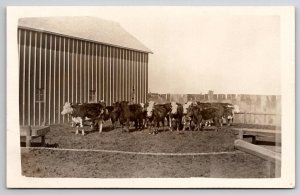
(287,180)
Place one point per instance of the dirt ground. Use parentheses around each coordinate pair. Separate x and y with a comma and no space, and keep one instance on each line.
(95,164)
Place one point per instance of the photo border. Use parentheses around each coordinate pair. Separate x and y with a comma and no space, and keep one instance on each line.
(288,122)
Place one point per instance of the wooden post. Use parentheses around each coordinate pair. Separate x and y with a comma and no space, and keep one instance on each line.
(28,136)
(43,140)
(253,139)
(241,134)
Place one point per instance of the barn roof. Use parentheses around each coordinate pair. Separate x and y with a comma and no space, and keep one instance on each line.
(86,27)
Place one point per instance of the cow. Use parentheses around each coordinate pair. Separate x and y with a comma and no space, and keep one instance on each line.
(186,121)
(129,112)
(144,114)
(198,114)
(110,114)
(85,112)
(228,113)
(156,114)
(225,109)
(176,115)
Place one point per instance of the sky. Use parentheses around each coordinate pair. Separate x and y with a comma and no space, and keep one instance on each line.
(236,54)
(195,50)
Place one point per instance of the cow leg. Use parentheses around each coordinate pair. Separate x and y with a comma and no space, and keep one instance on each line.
(140,124)
(92,125)
(227,122)
(156,130)
(164,128)
(81,126)
(187,126)
(82,130)
(76,133)
(218,123)
(122,127)
(184,123)
(127,125)
(150,127)
(113,121)
(157,127)
(199,125)
(196,128)
(113,125)
(177,122)
(136,124)
(221,123)
(170,123)
(100,123)
(145,123)
(173,124)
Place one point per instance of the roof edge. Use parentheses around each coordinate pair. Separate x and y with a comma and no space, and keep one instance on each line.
(112,45)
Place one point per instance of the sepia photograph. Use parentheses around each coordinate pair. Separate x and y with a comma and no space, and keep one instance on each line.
(150,97)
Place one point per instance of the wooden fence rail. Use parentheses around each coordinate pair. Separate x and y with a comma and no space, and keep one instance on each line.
(258,118)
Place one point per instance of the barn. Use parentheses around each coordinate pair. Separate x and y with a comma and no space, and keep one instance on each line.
(76,59)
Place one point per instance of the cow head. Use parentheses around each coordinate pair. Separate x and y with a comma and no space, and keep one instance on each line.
(116,107)
(102,103)
(236,109)
(189,111)
(143,106)
(186,106)
(150,109)
(124,105)
(67,109)
(174,107)
(193,110)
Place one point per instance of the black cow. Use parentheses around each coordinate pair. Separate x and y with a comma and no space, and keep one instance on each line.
(228,112)
(111,114)
(129,112)
(176,116)
(197,113)
(224,109)
(156,114)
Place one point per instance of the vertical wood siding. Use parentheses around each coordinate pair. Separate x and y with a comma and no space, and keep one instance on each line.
(54,69)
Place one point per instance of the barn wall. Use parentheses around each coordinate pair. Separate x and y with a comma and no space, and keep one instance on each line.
(55,69)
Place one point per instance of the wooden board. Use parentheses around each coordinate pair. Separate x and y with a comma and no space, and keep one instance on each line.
(254,133)
(258,151)
(32,132)
(35,130)
(258,131)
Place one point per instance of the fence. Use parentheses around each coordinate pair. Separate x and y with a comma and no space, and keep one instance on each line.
(253,109)
(258,118)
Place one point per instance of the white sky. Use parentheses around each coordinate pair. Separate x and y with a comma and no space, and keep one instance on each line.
(195,51)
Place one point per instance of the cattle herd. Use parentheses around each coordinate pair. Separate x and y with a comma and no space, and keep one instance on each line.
(188,116)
